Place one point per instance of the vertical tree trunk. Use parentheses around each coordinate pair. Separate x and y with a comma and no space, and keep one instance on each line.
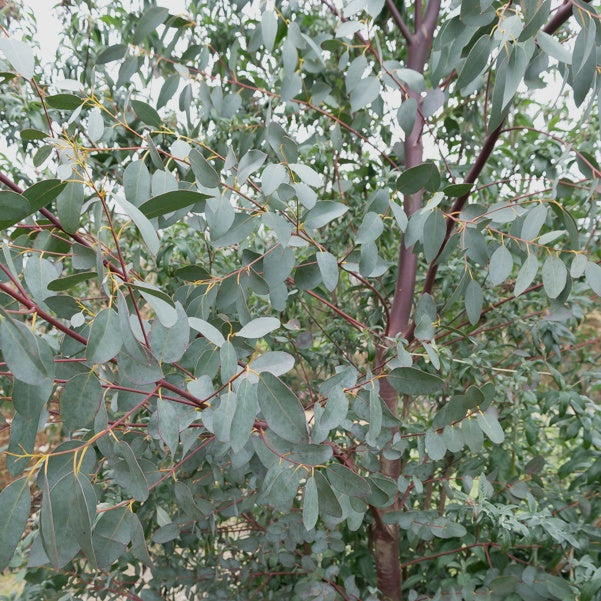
(386,536)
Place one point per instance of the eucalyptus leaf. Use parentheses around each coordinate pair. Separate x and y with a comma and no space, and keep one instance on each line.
(15,502)
(281,409)
(259,327)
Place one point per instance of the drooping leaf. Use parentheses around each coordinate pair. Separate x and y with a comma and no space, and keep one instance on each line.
(95,125)
(375,416)
(58,537)
(28,399)
(146,228)
(273,175)
(168,344)
(111,535)
(310,504)
(246,410)
(104,340)
(435,229)
(138,541)
(501,264)
(399,215)
(136,183)
(15,503)
(137,484)
(80,401)
(82,514)
(406,115)
(554,274)
(167,424)
(69,204)
(474,300)
(149,21)
(534,221)
(223,416)
(269,28)
(475,62)
(282,409)
(328,267)
(472,434)
(370,229)
(168,90)
(592,272)
(436,446)
(526,274)
(28,357)
(228,358)
(365,93)
(163,182)
(328,502)
(204,172)
(489,423)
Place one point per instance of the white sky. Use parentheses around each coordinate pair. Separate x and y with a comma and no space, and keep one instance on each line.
(49,26)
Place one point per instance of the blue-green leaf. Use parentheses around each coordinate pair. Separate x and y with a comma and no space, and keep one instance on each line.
(15,503)
(310,504)
(281,409)
(28,357)
(555,275)
(80,401)
(209,331)
(410,380)
(104,340)
(259,327)
(328,267)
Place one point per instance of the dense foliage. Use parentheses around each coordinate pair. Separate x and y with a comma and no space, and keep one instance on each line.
(297,301)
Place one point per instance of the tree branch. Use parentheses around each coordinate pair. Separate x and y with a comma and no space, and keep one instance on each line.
(485,152)
(54,220)
(418,14)
(431,16)
(564,12)
(399,21)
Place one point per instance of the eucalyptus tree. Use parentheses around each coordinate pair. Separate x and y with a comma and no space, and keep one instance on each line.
(294,300)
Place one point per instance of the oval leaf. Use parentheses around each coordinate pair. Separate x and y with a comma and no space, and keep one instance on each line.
(259,327)
(282,409)
(104,341)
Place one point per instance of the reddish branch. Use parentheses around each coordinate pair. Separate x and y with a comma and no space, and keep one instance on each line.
(54,220)
(560,17)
